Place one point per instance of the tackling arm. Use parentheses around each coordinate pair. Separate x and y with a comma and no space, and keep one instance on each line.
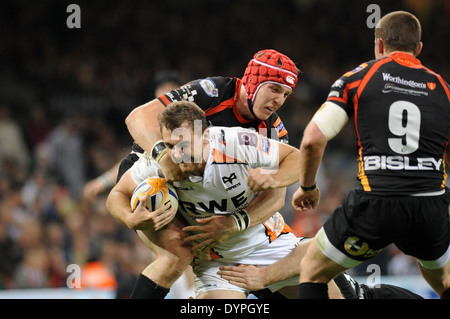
(265,204)
(287,173)
(143,125)
(216,229)
(256,278)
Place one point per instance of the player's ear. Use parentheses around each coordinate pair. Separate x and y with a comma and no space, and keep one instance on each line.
(379,47)
(419,49)
(205,136)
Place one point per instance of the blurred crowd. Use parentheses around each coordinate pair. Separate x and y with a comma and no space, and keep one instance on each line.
(65,93)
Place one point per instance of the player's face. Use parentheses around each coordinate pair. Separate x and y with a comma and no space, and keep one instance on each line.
(185,149)
(269,98)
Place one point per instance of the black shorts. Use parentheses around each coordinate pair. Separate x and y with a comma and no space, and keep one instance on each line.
(365,223)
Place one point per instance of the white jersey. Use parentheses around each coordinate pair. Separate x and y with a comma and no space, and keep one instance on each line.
(223,187)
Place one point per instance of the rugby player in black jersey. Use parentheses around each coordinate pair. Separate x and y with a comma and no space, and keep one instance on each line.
(401,113)
(249,102)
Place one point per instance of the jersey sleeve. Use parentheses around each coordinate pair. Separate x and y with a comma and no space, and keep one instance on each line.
(143,168)
(277,129)
(256,149)
(205,93)
(344,89)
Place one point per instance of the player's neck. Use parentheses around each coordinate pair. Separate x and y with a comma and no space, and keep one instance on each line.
(242,106)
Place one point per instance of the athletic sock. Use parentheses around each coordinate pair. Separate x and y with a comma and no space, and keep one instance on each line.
(313,290)
(446,294)
(145,288)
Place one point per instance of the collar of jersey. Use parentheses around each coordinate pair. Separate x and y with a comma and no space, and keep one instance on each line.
(405,59)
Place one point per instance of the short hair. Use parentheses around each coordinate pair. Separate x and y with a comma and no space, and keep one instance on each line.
(178,113)
(400,31)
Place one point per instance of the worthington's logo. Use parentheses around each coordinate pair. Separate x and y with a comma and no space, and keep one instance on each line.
(399,80)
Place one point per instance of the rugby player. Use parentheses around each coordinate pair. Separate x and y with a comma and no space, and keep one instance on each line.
(249,102)
(401,112)
(217,160)
(219,169)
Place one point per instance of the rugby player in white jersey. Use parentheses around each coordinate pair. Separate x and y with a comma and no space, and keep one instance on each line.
(218,160)
(268,80)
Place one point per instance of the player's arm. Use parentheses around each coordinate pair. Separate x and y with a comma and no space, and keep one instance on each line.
(118,205)
(265,204)
(101,183)
(142,122)
(216,229)
(272,186)
(287,173)
(256,278)
(326,124)
(143,125)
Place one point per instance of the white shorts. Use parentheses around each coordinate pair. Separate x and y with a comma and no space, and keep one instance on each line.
(207,279)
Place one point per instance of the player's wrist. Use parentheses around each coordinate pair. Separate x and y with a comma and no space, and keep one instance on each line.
(309,188)
(159,149)
(242,219)
(129,221)
(265,274)
(106,180)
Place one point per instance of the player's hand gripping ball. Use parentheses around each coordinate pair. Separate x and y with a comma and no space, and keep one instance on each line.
(160,192)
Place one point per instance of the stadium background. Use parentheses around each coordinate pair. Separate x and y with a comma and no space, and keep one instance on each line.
(64,94)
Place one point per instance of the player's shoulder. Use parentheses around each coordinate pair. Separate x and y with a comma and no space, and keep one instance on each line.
(233,137)
(349,78)
(359,71)
(214,86)
(211,91)
(276,128)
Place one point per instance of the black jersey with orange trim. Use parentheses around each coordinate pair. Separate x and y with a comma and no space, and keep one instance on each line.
(218,96)
(401,112)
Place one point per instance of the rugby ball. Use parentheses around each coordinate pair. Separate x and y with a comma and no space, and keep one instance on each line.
(160,192)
